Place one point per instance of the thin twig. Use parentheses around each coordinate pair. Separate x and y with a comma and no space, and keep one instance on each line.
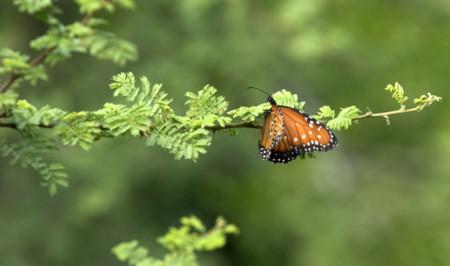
(9,82)
(8,125)
(234,125)
(14,125)
(387,114)
(39,59)
(384,115)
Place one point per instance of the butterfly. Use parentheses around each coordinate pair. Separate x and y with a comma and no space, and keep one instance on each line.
(288,132)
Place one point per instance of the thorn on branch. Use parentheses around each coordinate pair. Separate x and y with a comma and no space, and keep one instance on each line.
(388,122)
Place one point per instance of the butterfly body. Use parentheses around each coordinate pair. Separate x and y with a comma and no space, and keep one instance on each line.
(288,133)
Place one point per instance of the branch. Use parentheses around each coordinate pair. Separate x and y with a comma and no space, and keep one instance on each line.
(39,59)
(234,125)
(14,125)
(9,82)
(253,125)
(8,125)
(386,115)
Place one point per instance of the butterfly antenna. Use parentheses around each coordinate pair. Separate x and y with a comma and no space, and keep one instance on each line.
(258,89)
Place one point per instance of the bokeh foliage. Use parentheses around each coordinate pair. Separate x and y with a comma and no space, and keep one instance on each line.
(381,198)
(183,243)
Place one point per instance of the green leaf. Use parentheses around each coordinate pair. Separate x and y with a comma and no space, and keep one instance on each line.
(124,84)
(148,106)
(192,235)
(149,113)
(426,100)
(231,229)
(205,102)
(135,119)
(249,113)
(34,74)
(25,114)
(91,6)
(205,108)
(78,29)
(78,128)
(183,144)
(58,40)
(95,22)
(344,118)
(8,99)
(194,222)
(13,61)
(28,152)
(185,258)
(32,6)
(325,112)
(130,251)
(81,38)
(53,177)
(49,40)
(397,93)
(128,4)
(105,45)
(287,98)
(215,238)
(17,63)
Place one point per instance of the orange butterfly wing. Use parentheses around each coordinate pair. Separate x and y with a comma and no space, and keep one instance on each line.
(307,133)
(283,152)
(272,131)
(287,132)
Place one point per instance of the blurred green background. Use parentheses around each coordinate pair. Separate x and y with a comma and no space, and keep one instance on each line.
(381,198)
